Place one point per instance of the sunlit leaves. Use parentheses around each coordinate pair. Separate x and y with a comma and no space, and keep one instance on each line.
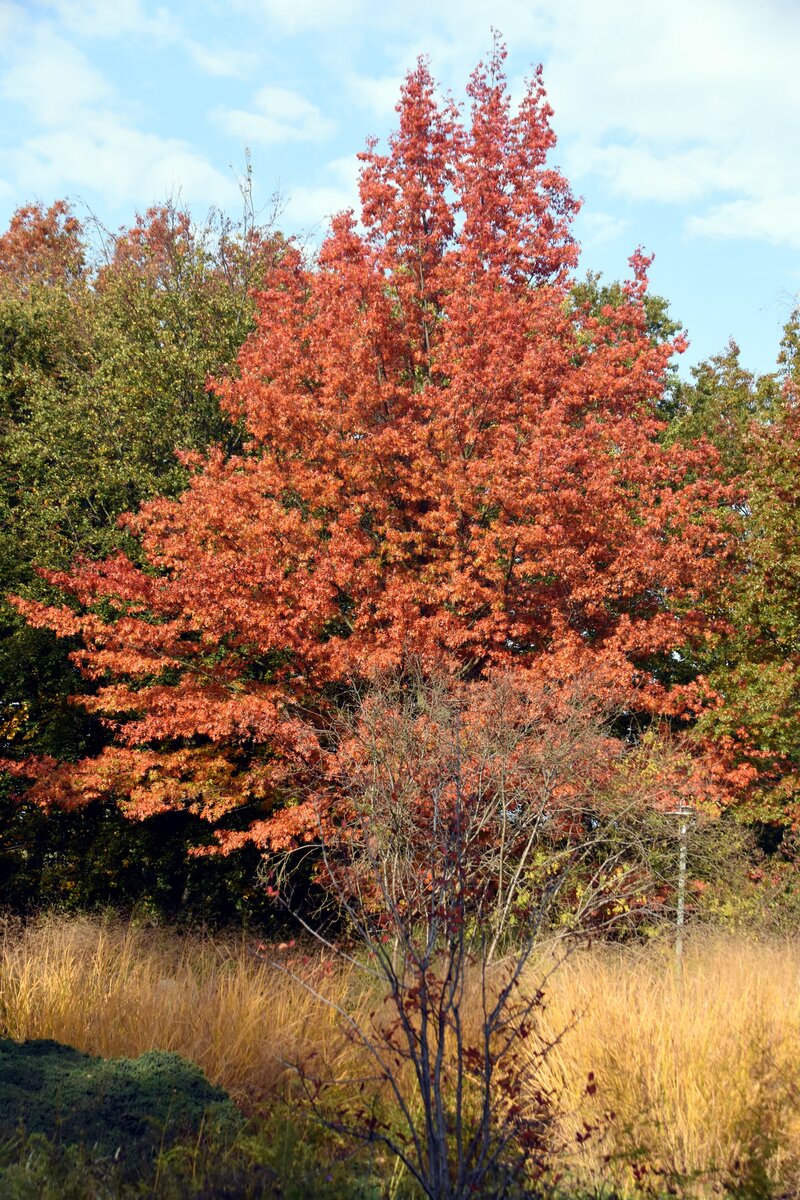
(446,458)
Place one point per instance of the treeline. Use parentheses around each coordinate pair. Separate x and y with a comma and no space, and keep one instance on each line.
(430,443)
(108,342)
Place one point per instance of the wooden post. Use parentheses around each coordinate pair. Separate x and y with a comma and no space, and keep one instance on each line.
(683,812)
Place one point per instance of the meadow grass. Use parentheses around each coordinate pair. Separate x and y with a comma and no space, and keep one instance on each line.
(700,1067)
(118,989)
(697,1074)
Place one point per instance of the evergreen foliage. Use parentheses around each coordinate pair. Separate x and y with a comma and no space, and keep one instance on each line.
(125,1108)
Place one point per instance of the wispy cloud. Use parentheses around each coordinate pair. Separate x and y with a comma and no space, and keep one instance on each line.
(123,164)
(377,95)
(313,16)
(102,19)
(81,133)
(221,62)
(774,218)
(131,18)
(600,228)
(309,207)
(277,115)
(29,80)
(677,102)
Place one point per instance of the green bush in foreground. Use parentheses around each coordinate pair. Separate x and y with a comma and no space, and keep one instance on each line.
(125,1108)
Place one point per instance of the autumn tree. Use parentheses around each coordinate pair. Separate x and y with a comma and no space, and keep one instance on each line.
(598,298)
(752,710)
(754,666)
(106,343)
(106,354)
(445,456)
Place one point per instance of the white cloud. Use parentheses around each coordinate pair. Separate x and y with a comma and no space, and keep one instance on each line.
(310,207)
(278,115)
(82,139)
(107,19)
(53,80)
(599,228)
(377,95)
(773,219)
(221,62)
(10,20)
(299,16)
(121,163)
(120,18)
(671,175)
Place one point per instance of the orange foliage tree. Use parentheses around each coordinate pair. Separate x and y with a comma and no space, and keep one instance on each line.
(447,458)
(42,246)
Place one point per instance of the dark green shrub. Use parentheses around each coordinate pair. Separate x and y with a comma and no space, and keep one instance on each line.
(126,1108)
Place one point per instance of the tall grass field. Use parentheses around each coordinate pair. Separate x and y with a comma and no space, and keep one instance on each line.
(687,1081)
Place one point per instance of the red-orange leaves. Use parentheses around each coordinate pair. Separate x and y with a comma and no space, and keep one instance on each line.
(447,460)
(41,246)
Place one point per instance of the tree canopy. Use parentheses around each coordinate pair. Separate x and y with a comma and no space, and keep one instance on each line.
(447,455)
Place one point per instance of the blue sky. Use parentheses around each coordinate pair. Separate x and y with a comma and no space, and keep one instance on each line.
(678,121)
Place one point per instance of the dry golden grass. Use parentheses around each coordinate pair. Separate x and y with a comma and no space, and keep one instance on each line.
(701,1069)
(702,1072)
(116,989)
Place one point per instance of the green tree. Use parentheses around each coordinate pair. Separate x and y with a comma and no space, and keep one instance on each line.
(755,667)
(752,664)
(106,346)
(723,404)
